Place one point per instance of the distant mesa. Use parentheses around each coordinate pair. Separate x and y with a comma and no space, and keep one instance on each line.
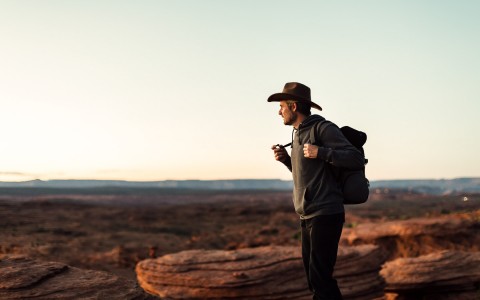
(468,185)
(234,184)
(272,272)
(434,187)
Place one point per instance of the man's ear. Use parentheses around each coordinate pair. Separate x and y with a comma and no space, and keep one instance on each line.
(294,106)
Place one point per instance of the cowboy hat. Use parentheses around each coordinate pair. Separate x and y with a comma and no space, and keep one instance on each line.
(295,91)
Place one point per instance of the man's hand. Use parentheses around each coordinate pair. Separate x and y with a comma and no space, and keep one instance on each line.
(280,153)
(310,151)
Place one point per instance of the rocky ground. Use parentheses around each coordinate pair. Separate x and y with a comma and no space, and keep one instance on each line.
(25,278)
(114,232)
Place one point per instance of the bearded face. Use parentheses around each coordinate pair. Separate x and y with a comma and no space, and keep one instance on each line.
(288,115)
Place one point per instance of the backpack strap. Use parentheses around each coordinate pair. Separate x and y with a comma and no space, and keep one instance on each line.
(313,131)
(336,172)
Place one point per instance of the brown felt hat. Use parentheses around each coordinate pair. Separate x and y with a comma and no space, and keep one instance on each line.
(295,91)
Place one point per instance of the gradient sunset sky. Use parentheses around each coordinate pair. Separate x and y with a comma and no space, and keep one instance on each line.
(155,90)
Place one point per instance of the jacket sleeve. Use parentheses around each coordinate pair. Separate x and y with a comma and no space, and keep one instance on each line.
(288,163)
(337,150)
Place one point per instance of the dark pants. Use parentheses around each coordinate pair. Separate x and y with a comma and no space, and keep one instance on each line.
(320,237)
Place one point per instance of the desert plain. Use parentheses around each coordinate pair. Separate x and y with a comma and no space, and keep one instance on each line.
(112,230)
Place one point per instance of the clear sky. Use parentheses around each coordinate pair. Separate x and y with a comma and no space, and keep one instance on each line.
(154,90)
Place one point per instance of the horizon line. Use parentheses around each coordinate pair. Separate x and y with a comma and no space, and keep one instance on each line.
(231,179)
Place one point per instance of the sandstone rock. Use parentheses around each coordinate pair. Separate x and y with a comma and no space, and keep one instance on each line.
(271,272)
(22,278)
(415,237)
(440,275)
(357,272)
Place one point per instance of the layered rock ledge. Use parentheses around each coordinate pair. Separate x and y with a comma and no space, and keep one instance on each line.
(441,275)
(420,236)
(24,278)
(273,272)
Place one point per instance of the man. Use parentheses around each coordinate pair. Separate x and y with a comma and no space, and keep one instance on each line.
(317,195)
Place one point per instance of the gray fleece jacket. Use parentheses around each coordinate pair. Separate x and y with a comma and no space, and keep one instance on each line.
(316,190)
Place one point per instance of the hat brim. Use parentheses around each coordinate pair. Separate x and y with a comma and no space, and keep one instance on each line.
(284,96)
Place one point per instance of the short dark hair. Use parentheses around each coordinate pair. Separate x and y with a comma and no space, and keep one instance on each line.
(302,107)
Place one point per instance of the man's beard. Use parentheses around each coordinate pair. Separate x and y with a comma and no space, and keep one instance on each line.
(291,120)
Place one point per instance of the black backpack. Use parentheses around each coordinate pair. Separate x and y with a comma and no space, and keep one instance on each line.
(354,184)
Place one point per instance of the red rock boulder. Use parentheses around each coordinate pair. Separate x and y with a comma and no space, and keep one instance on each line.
(271,272)
(419,236)
(24,278)
(436,276)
